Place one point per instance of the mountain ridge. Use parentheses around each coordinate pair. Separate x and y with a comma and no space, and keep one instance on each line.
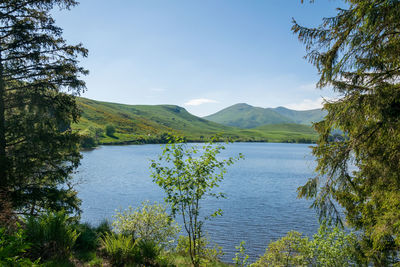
(243,115)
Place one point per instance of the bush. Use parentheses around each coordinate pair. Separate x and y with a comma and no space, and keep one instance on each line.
(88,141)
(149,251)
(110,130)
(120,249)
(104,228)
(87,239)
(206,252)
(165,260)
(51,235)
(290,250)
(12,247)
(148,223)
(331,246)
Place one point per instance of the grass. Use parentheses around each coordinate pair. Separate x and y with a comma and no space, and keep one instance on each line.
(137,124)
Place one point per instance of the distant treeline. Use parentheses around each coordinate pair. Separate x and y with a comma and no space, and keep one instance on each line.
(97,136)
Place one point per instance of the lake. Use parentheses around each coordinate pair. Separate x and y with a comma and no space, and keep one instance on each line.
(261,204)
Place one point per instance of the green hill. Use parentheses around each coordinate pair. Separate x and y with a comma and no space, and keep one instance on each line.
(246,116)
(144,121)
(302,116)
(151,123)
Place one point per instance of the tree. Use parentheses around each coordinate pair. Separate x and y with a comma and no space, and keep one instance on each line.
(39,78)
(187,175)
(357,53)
(110,130)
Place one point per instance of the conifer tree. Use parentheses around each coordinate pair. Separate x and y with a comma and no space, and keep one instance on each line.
(39,78)
(357,53)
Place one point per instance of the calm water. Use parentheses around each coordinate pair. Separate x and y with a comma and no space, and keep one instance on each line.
(261,203)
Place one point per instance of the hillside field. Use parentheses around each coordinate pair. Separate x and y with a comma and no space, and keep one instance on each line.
(152,124)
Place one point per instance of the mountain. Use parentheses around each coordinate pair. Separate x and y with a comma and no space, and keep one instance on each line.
(246,116)
(144,119)
(150,123)
(302,116)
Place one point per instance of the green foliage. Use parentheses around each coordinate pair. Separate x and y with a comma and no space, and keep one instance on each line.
(38,150)
(331,246)
(290,250)
(87,237)
(120,249)
(241,257)
(87,141)
(91,136)
(58,263)
(51,235)
(104,228)
(110,130)
(149,223)
(206,251)
(165,260)
(187,175)
(12,247)
(356,53)
(149,251)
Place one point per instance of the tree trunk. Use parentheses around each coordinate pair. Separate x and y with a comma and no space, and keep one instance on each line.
(4,205)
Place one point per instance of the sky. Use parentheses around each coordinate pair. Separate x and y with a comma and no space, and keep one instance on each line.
(203,55)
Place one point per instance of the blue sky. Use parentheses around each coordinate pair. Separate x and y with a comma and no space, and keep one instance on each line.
(203,55)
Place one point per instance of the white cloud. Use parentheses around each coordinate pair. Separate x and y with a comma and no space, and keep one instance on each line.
(307,104)
(199,101)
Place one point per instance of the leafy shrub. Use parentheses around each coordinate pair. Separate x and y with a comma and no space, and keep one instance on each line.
(331,246)
(88,237)
(120,249)
(12,247)
(149,251)
(290,250)
(241,257)
(51,235)
(104,228)
(148,223)
(206,252)
(165,260)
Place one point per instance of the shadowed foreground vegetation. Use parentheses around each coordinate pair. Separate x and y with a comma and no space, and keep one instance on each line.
(55,239)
